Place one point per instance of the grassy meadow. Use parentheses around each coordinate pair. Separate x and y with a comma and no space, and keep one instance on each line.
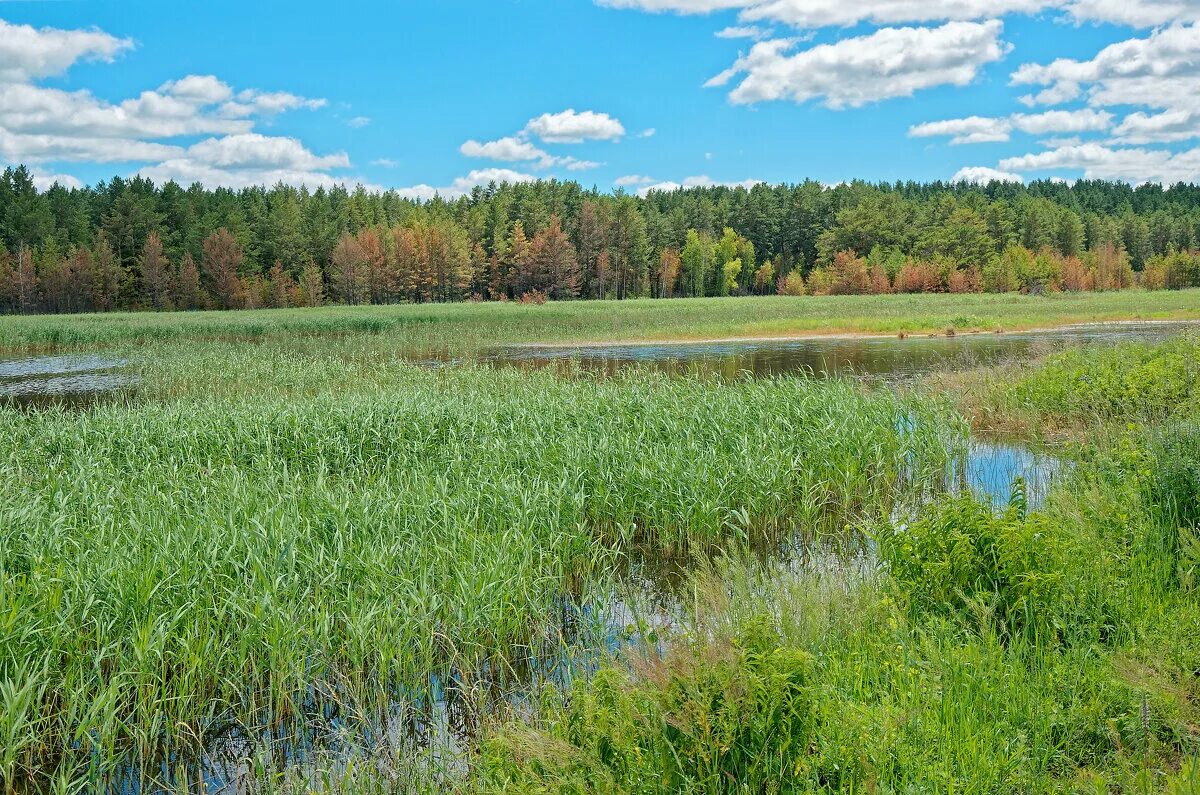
(461,328)
(292,542)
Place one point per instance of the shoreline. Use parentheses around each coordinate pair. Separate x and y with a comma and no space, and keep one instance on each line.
(841,335)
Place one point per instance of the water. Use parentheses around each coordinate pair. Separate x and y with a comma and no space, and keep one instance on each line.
(62,380)
(889,357)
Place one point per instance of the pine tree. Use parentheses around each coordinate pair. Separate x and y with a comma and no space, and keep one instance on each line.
(221,259)
(157,275)
(189,294)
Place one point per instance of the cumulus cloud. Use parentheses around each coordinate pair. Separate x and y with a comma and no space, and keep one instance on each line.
(982,175)
(510,149)
(891,62)
(249,159)
(1159,71)
(28,53)
(983,129)
(516,149)
(40,124)
(702,181)
(970,130)
(464,185)
(1100,161)
(745,32)
(44,181)
(571,127)
(1135,13)
(632,179)
(837,13)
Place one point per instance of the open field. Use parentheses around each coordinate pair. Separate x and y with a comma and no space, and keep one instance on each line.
(466,327)
(354,574)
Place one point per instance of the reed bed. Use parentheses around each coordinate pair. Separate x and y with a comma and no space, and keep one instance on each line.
(296,532)
(463,328)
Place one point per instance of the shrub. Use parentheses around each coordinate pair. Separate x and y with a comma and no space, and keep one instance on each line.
(792,284)
(963,557)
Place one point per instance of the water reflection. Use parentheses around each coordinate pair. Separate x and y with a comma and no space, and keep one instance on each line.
(891,357)
(70,381)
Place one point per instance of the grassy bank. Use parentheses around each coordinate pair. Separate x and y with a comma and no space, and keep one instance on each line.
(465,327)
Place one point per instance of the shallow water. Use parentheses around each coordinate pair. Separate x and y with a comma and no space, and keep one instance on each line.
(62,380)
(892,357)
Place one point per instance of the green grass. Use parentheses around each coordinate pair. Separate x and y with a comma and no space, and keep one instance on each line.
(267,532)
(465,327)
(1052,651)
(300,530)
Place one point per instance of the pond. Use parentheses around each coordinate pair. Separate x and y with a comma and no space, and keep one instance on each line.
(62,380)
(888,357)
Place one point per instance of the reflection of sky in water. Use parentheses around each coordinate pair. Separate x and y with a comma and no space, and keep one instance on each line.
(61,380)
(992,467)
(829,356)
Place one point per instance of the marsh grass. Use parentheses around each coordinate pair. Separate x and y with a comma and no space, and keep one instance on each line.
(286,534)
(462,328)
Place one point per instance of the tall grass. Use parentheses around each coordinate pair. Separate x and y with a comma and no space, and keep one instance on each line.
(270,534)
(465,327)
(1050,651)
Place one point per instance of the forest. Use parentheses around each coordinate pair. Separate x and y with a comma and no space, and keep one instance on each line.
(128,244)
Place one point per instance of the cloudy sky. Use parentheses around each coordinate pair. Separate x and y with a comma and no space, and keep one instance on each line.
(436,96)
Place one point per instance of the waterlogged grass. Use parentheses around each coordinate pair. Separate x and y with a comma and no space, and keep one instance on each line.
(466,327)
(1081,388)
(1051,651)
(280,532)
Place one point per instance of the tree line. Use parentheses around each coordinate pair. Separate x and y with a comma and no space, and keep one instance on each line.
(130,244)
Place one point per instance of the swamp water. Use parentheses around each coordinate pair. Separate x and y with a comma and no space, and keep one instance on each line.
(62,380)
(428,736)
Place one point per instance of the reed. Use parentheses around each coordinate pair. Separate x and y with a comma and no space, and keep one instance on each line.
(283,533)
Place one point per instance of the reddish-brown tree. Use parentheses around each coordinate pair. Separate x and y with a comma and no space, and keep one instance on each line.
(157,275)
(220,260)
(189,294)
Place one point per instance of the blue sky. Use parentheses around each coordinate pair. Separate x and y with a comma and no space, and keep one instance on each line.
(436,96)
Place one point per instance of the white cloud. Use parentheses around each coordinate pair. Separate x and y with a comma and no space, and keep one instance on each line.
(198,89)
(239,161)
(1063,121)
(891,62)
(28,53)
(1167,126)
(511,149)
(702,181)
(44,181)
(39,124)
(649,132)
(516,149)
(1135,13)
(971,130)
(252,150)
(982,175)
(632,179)
(745,32)
(385,162)
(359,121)
(1098,161)
(838,13)
(571,127)
(1160,71)
(983,129)
(251,101)
(463,185)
